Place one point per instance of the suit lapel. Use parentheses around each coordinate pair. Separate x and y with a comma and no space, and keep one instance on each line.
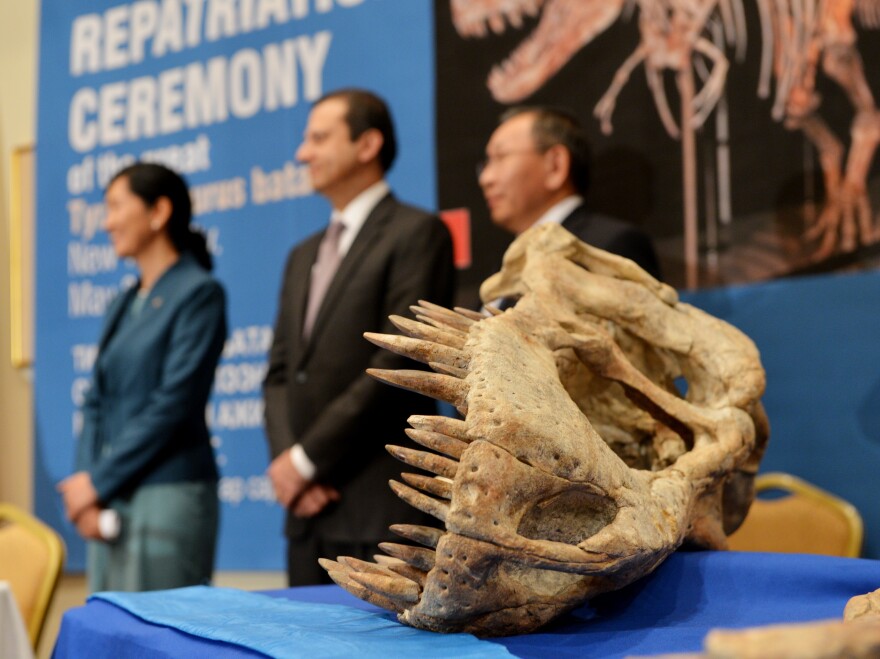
(300,281)
(115,315)
(373,227)
(577,220)
(162,290)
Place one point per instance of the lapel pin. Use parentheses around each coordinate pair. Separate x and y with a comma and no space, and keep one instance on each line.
(157,302)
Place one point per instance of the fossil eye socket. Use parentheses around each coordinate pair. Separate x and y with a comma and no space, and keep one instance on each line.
(570,517)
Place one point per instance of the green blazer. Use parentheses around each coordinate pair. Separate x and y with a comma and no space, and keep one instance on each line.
(144,414)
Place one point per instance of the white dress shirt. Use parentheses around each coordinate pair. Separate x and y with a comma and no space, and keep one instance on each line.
(559,211)
(14,640)
(553,215)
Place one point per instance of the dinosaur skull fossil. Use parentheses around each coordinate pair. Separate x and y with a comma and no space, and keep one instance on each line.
(578,467)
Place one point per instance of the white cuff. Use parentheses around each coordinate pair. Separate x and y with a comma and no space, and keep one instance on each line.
(300,460)
(109,524)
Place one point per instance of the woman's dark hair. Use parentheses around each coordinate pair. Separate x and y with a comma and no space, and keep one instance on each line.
(150,181)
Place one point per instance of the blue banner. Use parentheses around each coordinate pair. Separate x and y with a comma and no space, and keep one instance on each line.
(220,91)
(818,343)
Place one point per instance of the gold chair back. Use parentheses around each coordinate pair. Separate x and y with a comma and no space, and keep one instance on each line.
(807,520)
(31,558)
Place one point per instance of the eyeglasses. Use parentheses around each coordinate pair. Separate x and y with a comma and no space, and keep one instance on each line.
(495,158)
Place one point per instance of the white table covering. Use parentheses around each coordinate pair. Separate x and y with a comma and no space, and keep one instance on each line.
(14,642)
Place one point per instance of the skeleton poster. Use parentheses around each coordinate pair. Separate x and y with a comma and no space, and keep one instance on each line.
(740,134)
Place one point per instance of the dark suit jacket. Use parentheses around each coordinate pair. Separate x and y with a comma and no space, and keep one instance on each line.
(144,415)
(317,393)
(615,236)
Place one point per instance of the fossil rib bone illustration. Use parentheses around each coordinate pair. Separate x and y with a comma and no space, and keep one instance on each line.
(577,467)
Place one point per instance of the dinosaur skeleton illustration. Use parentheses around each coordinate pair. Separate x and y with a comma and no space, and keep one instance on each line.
(807,33)
(578,466)
(797,35)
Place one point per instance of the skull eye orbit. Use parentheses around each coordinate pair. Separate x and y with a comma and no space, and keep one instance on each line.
(570,517)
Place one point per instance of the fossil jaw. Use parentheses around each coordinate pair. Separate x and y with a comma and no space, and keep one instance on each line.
(563,29)
(539,511)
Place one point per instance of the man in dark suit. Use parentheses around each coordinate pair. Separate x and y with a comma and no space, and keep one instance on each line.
(327,421)
(536,171)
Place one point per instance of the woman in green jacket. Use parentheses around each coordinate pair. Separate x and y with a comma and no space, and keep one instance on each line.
(144,491)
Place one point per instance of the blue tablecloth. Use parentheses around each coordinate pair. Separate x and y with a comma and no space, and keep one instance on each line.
(288,629)
(669,611)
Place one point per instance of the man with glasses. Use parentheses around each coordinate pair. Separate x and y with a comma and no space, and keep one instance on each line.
(536,171)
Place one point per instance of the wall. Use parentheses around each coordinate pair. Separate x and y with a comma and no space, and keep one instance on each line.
(18,63)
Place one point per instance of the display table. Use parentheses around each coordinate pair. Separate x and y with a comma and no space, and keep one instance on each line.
(669,611)
(14,641)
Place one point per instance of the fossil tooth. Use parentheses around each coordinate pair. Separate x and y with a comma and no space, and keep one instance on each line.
(387,561)
(427,304)
(341,576)
(469,313)
(446,369)
(432,462)
(438,487)
(446,317)
(441,325)
(408,571)
(418,557)
(453,316)
(424,535)
(419,330)
(358,565)
(329,564)
(442,387)
(396,588)
(438,442)
(493,310)
(441,424)
(441,317)
(416,499)
(422,351)
(403,569)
